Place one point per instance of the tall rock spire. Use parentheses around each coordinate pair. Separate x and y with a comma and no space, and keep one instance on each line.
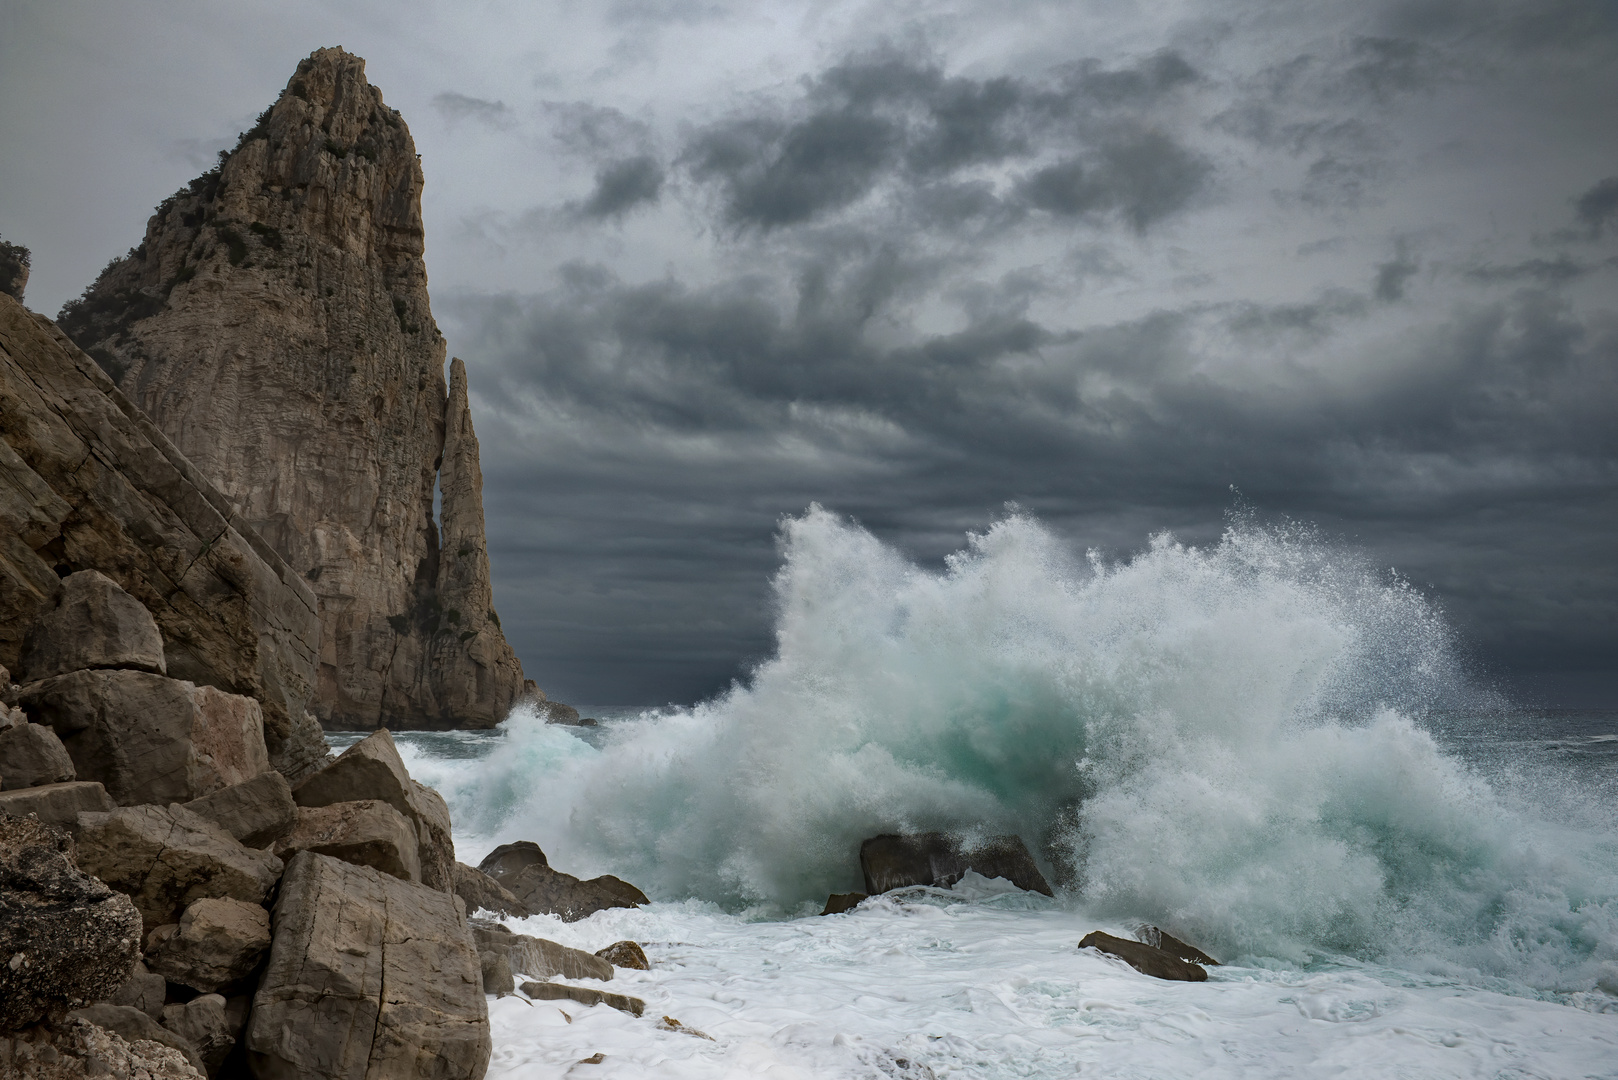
(275,324)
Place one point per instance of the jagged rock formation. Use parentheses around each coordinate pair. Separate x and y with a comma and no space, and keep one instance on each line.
(275,323)
(87,482)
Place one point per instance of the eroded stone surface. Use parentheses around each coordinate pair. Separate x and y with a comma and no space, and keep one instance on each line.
(30,755)
(136,1027)
(366,832)
(143,990)
(167,858)
(76,1049)
(256,811)
(96,624)
(368,977)
(625,954)
(216,942)
(66,939)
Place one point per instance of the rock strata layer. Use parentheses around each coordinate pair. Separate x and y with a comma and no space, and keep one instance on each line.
(275,323)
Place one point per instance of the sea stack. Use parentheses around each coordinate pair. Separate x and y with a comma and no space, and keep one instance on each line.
(275,324)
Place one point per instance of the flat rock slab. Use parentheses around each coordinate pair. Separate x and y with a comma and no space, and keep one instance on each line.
(837,903)
(256,811)
(56,804)
(540,958)
(372,769)
(584,995)
(66,939)
(30,755)
(96,624)
(369,977)
(366,832)
(167,858)
(895,861)
(1144,958)
(148,738)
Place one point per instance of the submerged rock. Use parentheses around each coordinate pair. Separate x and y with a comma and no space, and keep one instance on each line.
(1162,939)
(895,861)
(837,903)
(1145,959)
(522,868)
(584,995)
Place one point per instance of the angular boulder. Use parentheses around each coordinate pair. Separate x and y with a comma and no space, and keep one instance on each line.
(76,1049)
(66,939)
(522,869)
(369,977)
(625,954)
(1144,958)
(497,977)
(217,942)
(584,995)
(30,755)
(893,862)
(366,832)
(482,893)
(256,811)
(837,903)
(540,958)
(1159,938)
(151,739)
(56,804)
(167,858)
(137,1027)
(372,769)
(143,990)
(95,624)
(204,1023)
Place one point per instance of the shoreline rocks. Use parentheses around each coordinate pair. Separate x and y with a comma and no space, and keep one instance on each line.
(1146,959)
(522,869)
(893,861)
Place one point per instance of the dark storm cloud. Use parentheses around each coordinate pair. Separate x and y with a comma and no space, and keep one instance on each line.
(621,186)
(893,120)
(453,106)
(1557,271)
(597,131)
(1393,275)
(1598,206)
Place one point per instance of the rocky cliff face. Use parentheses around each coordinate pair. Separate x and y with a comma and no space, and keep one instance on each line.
(275,324)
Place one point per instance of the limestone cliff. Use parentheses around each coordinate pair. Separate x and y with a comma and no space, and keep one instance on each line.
(275,324)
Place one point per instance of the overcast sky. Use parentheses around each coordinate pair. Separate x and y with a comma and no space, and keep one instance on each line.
(709,262)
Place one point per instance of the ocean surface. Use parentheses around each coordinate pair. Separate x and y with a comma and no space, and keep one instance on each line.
(1268,747)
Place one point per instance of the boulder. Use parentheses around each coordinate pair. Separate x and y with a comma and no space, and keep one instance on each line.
(256,811)
(143,990)
(894,862)
(30,755)
(136,1026)
(95,624)
(217,942)
(204,1023)
(482,893)
(584,995)
(540,958)
(625,954)
(66,939)
(366,832)
(1161,939)
(522,869)
(151,739)
(166,859)
(372,769)
(566,715)
(1144,958)
(837,903)
(56,804)
(76,1049)
(497,977)
(369,977)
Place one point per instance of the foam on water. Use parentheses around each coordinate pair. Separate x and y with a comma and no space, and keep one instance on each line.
(1228,741)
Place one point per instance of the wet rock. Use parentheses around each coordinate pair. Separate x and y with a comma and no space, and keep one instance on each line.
(367,832)
(523,869)
(372,769)
(66,939)
(368,976)
(837,903)
(56,804)
(203,1023)
(166,859)
(625,954)
(668,1023)
(497,977)
(143,990)
(79,1050)
(135,1026)
(894,862)
(1144,958)
(151,739)
(217,942)
(95,624)
(1162,939)
(30,755)
(566,715)
(584,995)
(482,893)
(539,958)
(256,811)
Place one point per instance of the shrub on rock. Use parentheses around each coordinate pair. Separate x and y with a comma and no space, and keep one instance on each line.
(167,858)
(66,939)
